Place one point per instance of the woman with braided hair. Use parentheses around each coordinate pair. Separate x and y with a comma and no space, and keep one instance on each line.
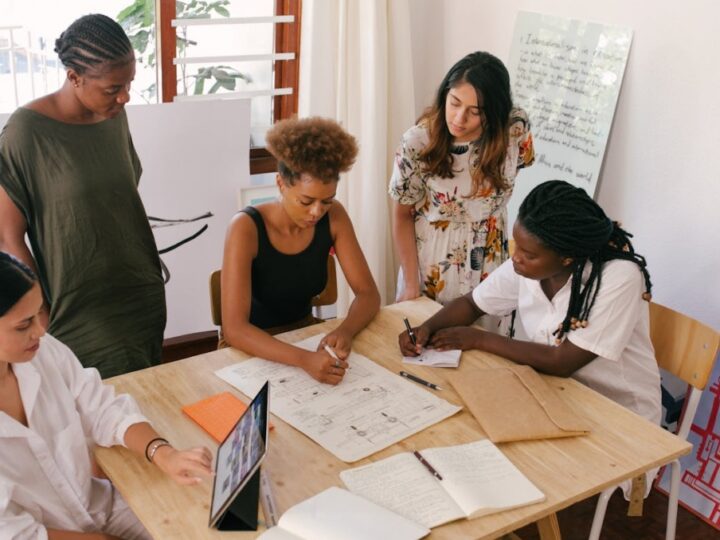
(581,294)
(68,178)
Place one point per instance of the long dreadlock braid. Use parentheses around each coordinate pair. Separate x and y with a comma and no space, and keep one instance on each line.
(93,40)
(568,221)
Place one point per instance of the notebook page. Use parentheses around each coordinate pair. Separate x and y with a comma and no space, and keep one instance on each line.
(435,358)
(337,513)
(402,484)
(481,479)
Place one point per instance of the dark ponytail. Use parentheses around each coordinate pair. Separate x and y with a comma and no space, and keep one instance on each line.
(16,279)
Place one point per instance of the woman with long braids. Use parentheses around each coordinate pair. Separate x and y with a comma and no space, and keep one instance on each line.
(581,294)
(453,177)
(68,178)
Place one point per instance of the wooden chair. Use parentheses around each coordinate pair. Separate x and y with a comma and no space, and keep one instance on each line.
(327,297)
(687,349)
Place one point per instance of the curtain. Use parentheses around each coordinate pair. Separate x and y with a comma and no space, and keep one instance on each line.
(356,67)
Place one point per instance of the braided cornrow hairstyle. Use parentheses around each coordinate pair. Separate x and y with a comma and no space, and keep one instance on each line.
(569,222)
(91,41)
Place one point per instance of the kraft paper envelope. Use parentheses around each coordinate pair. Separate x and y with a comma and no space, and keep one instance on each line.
(515,404)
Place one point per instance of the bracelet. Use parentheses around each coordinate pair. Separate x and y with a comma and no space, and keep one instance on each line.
(156,439)
(155,448)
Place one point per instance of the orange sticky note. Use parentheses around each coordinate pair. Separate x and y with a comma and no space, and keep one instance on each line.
(217,414)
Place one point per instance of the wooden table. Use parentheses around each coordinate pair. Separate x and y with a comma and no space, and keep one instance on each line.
(621,445)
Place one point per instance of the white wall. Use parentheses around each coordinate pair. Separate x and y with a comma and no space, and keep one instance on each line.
(660,176)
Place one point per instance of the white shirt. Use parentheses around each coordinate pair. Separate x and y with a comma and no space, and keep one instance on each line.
(625,369)
(45,478)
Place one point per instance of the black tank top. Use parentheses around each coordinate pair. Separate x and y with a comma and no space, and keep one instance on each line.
(283,286)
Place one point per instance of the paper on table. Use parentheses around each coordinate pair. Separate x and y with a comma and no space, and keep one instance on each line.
(337,513)
(402,484)
(435,358)
(371,409)
(477,479)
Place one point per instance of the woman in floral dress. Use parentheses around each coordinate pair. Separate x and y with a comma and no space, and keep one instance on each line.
(454,174)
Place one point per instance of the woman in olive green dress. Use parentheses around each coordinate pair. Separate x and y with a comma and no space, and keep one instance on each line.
(68,178)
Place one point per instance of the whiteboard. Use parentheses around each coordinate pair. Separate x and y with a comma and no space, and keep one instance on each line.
(567,75)
(195,158)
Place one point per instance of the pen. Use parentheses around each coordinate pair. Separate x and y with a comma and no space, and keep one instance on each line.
(419,380)
(427,465)
(267,500)
(332,354)
(410,331)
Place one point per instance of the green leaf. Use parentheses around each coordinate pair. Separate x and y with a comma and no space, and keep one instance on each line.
(125,13)
(222,11)
(199,86)
(149,13)
(215,87)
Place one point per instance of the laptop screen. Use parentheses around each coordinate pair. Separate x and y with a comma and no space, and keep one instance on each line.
(240,454)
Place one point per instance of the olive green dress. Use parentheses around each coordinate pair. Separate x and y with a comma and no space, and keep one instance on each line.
(97,260)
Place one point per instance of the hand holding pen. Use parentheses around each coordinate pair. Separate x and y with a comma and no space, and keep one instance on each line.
(412,340)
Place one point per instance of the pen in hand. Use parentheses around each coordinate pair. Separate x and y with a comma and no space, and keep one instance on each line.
(410,331)
(427,465)
(418,380)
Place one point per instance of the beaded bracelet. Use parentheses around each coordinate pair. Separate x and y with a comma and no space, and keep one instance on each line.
(160,441)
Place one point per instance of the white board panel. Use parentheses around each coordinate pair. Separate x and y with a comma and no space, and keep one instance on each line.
(195,158)
(567,75)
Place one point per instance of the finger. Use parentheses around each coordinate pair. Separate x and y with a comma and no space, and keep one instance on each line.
(199,461)
(333,379)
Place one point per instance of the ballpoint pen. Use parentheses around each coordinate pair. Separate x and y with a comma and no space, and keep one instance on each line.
(419,380)
(267,500)
(410,331)
(427,465)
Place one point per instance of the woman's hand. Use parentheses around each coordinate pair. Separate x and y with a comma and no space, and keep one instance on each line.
(408,292)
(458,337)
(324,368)
(186,467)
(340,342)
(422,335)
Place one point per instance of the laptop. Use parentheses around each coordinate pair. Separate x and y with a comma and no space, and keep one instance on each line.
(239,456)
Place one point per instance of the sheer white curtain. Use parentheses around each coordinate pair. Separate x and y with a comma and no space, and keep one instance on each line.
(356,67)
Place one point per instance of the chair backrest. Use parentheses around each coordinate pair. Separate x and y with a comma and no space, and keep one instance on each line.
(327,296)
(683,346)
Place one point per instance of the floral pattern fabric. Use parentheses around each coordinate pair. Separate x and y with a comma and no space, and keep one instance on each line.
(460,239)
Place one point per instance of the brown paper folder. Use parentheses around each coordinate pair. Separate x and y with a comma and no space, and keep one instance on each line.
(515,404)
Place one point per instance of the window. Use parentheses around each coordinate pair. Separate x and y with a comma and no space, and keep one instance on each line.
(29,67)
(234,48)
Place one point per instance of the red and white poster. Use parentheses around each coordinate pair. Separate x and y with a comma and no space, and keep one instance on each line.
(700,475)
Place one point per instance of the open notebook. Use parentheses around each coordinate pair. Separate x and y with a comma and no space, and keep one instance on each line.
(477,479)
(337,513)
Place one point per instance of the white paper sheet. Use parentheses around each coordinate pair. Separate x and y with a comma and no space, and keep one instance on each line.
(434,358)
(371,409)
(336,513)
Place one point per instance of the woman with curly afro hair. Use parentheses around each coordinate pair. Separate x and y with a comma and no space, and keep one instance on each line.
(275,258)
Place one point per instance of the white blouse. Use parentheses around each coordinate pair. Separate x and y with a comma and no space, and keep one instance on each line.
(45,478)
(625,369)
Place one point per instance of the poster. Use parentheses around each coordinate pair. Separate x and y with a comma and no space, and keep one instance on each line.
(567,75)
(700,470)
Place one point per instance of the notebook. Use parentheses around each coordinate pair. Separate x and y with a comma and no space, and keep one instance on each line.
(477,479)
(435,358)
(217,414)
(337,513)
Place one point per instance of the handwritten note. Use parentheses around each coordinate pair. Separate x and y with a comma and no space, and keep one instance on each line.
(567,75)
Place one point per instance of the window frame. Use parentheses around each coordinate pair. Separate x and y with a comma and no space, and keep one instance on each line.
(287,72)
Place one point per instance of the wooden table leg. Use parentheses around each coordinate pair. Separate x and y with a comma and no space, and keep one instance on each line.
(549,528)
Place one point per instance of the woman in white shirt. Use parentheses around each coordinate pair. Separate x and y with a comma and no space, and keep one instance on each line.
(50,407)
(580,292)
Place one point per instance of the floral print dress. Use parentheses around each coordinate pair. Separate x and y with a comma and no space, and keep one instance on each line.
(460,239)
